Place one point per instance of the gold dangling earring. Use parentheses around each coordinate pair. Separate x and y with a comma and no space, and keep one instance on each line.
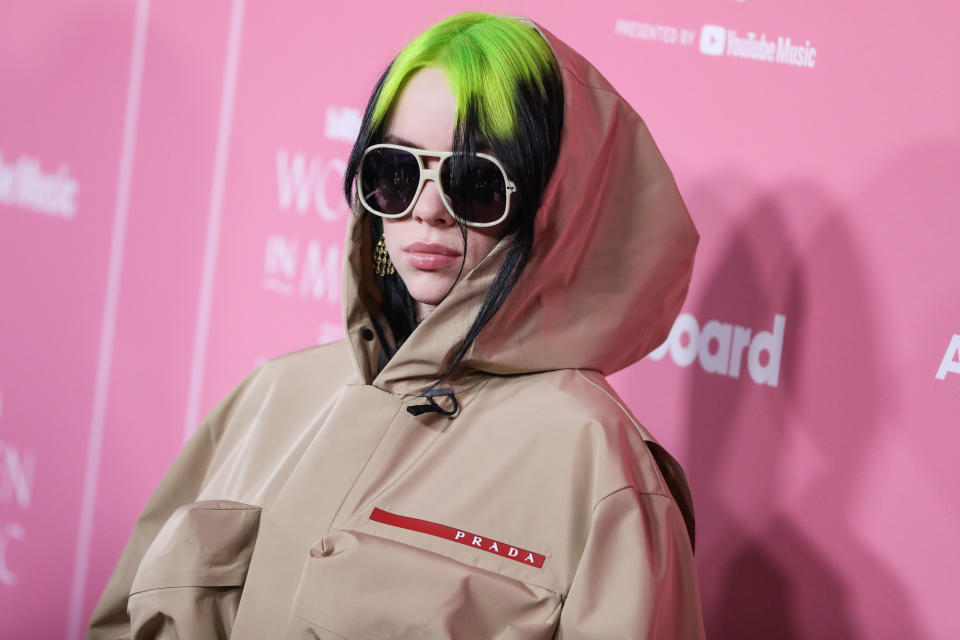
(381,259)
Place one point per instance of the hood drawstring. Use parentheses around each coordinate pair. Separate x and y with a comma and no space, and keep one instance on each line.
(431,404)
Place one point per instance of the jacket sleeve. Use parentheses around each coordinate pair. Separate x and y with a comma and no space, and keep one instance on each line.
(636,577)
(180,485)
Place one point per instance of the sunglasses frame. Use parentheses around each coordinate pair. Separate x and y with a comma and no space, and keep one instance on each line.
(433,174)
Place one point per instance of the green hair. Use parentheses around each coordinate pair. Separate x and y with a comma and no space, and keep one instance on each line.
(485,58)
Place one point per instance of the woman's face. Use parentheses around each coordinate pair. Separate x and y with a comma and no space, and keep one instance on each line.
(426,245)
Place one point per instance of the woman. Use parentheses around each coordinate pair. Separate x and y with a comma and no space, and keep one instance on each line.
(458,467)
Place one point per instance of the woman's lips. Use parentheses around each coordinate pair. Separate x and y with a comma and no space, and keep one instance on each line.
(427,256)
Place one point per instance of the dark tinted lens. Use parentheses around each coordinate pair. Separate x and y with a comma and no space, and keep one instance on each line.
(389,179)
(475,187)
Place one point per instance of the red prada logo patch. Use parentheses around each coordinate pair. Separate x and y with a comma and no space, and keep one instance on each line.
(459,535)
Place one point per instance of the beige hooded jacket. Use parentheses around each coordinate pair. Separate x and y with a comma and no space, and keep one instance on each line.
(311,504)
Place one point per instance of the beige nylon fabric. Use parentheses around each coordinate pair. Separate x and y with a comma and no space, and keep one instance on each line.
(262,528)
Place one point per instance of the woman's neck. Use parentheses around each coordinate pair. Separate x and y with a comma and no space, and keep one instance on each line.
(423,310)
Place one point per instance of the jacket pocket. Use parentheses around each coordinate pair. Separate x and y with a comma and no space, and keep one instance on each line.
(190,580)
(360,586)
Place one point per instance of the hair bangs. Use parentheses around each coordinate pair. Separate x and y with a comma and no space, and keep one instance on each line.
(487,59)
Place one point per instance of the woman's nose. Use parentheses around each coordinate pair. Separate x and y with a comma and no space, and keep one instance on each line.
(429,207)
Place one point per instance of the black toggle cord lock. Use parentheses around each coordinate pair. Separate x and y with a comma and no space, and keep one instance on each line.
(431,406)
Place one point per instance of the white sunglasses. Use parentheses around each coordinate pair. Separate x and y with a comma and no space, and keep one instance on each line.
(391,178)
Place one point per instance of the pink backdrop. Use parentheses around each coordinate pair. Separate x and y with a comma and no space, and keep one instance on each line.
(170,215)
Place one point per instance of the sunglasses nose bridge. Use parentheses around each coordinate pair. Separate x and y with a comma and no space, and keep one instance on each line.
(431,175)
(438,208)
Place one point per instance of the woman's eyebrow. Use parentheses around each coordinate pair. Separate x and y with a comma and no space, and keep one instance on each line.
(482,146)
(392,139)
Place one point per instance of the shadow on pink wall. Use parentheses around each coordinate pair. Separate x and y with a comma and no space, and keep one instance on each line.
(776,473)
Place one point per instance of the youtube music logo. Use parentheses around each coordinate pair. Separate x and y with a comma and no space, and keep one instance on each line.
(712,39)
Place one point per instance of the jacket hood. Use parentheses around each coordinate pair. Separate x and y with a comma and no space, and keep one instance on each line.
(609,270)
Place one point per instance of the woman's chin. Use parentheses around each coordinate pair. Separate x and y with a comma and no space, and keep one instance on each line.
(428,289)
